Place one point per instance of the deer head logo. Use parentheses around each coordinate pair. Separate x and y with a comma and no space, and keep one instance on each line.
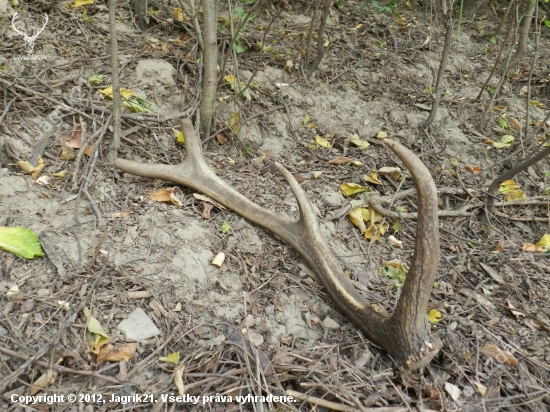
(30,25)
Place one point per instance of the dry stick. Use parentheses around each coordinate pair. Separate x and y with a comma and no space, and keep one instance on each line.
(68,320)
(84,189)
(520,167)
(115,82)
(320,42)
(59,368)
(523,36)
(531,70)
(236,34)
(192,12)
(46,97)
(310,34)
(210,58)
(443,64)
(499,57)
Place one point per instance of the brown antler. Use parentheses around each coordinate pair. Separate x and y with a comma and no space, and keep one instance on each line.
(404,335)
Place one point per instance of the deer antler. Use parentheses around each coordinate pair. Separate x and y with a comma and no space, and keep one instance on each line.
(404,335)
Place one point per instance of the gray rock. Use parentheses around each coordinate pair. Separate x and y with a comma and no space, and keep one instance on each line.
(138,326)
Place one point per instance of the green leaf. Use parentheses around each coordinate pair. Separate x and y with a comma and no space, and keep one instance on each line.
(95,79)
(493,40)
(225,227)
(20,241)
(239,48)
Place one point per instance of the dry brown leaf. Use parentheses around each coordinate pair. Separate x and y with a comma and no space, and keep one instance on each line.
(221,138)
(538,325)
(339,160)
(90,150)
(209,200)
(139,294)
(173,194)
(116,353)
(299,178)
(499,355)
(473,169)
(206,210)
(74,139)
(43,382)
(178,378)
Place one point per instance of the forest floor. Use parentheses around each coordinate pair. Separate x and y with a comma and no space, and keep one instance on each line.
(133,252)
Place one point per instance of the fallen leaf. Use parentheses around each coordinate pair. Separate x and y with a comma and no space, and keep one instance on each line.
(225,227)
(394,242)
(508,186)
(500,355)
(116,353)
(221,139)
(67,154)
(452,390)
(339,160)
(321,141)
(350,189)
(372,177)
(178,14)
(356,217)
(473,169)
(356,141)
(30,169)
(381,135)
(20,241)
(178,134)
(505,141)
(43,382)
(74,139)
(174,358)
(434,316)
(125,94)
(178,378)
(481,389)
(173,195)
(206,210)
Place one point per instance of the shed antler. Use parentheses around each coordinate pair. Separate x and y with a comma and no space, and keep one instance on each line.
(404,335)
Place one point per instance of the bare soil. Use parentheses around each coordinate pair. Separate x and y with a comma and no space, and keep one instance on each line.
(376,76)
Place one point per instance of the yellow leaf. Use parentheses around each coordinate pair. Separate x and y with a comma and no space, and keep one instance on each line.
(230,79)
(356,141)
(306,119)
(108,92)
(508,186)
(174,358)
(544,242)
(514,195)
(372,177)
(434,316)
(79,3)
(350,189)
(321,141)
(61,174)
(356,217)
(382,135)
(178,134)
(30,169)
(372,233)
(234,122)
(178,14)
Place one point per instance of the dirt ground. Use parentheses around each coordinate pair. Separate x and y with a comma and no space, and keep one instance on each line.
(106,239)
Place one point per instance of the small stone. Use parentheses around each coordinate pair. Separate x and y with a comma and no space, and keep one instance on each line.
(138,326)
(330,323)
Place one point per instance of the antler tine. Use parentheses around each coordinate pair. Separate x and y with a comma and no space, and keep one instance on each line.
(404,334)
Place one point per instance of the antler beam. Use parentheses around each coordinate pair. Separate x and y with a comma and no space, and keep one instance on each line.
(404,335)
